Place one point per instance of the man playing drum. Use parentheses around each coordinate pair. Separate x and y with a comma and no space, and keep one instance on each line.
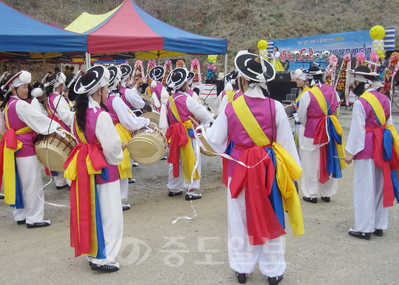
(22,176)
(182,155)
(125,122)
(97,222)
(59,109)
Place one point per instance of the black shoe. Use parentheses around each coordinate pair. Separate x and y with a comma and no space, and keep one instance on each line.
(172,194)
(311,200)
(61,187)
(1,196)
(326,199)
(104,268)
(21,222)
(275,280)
(378,233)
(38,225)
(126,207)
(164,158)
(131,180)
(135,164)
(242,277)
(193,197)
(360,235)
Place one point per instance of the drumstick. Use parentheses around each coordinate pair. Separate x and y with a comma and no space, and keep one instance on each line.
(339,157)
(194,121)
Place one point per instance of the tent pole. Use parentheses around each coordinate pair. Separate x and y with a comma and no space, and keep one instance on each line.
(44,63)
(225,67)
(87,60)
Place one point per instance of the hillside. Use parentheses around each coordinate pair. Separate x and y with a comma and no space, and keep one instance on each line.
(242,23)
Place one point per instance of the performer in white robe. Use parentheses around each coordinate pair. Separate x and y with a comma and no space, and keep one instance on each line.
(370,216)
(58,105)
(21,115)
(186,106)
(302,83)
(92,90)
(120,113)
(243,256)
(309,114)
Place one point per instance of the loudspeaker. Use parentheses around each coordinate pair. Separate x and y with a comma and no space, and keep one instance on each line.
(283,76)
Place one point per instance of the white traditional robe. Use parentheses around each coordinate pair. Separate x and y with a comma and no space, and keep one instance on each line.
(368,181)
(243,256)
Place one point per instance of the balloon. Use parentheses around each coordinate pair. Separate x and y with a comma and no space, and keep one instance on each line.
(262,44)
(377,33)
(381,53)
(210,62)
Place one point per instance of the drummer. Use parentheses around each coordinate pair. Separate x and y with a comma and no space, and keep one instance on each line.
(22,123)
(59,109)
(302,82)
(95,158)
(180,107)
(130,96)
(125,122)
(156,88)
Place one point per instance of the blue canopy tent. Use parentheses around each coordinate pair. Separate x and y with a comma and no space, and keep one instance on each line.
(23,38)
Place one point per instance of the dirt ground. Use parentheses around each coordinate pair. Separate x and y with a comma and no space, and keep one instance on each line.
(155,251)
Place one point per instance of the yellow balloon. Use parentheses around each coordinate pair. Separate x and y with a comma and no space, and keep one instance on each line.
(377,33)
(262,44)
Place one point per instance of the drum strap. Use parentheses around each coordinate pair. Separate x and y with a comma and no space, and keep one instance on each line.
(87,236)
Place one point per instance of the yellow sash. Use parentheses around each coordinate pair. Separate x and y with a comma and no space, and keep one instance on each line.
(324,107)
(376,105)
(379,112)
(300,94)
(249,122)
(148,90)
(24,130)
(230,95)
(320,99)
(286,167)
(186,152)
(125,166)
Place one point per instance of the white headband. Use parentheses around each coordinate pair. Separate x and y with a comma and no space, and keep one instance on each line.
(24,78)
(60,80)
(103,82)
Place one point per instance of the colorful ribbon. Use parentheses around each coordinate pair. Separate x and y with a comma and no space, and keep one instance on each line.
(9,145)
(179,136)
(269,185)
(329,135)
(386,149)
